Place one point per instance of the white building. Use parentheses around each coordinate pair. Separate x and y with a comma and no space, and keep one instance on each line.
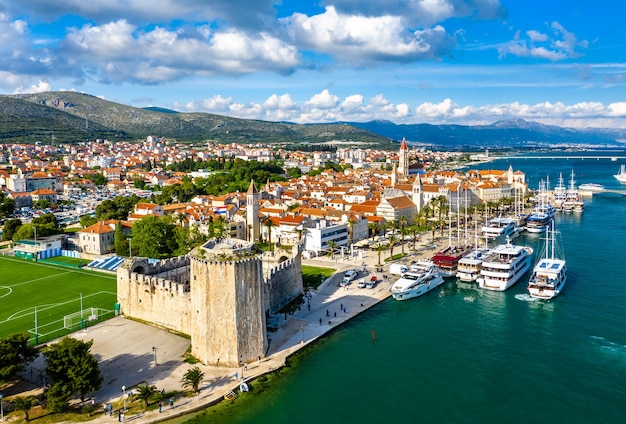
(317,238)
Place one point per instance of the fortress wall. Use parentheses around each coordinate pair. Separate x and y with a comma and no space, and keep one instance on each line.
(283,283)
(161,301)
(227,304)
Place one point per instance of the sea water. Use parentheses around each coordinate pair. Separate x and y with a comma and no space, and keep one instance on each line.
(461,354)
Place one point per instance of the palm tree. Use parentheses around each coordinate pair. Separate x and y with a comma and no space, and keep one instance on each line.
(332,245)
(373,227)
(192,378)
(402,223)
(351,228)
(24,404)
(145,392)
(441,204)
(269,224)
(380,248)
(393,239)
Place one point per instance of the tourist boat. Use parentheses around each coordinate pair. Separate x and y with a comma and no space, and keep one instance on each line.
(504,266)
(550,272)
(446,261)
(621,175)
(413,284)
(500,227)
(560,193)
(592,187)
(573,202)
(469,266)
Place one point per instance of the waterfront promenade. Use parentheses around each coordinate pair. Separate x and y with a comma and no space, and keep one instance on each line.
(123,347)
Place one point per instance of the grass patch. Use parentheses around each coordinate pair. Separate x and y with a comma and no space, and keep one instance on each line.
(397,256)
(48,292)
(312,276)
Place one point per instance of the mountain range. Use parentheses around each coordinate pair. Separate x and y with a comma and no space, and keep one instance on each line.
(68,116)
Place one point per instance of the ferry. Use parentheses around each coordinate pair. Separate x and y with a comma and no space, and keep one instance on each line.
(550,273)
(540,218)
(500,227)
(446,261)
(621,175)
(504,266)
(469,266)
(592,187)
(413,284)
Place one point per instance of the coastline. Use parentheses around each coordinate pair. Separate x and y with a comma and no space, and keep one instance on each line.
(131,364)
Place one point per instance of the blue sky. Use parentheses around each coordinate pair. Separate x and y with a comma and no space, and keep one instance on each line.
(408,61)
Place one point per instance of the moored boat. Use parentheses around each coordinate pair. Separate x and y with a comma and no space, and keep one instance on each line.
(550,272)
(500,227)
(413,284)
(446,261)
(592,187)
(469,266)
(621,175)
(504,266)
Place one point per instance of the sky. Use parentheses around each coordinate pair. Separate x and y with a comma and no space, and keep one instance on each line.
(469,62)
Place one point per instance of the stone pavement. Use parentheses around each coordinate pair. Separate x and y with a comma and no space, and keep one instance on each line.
(124,347)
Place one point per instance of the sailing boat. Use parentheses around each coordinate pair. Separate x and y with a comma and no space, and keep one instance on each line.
(621,175)
(550,273)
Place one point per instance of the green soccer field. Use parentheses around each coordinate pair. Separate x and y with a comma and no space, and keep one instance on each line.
(49,298)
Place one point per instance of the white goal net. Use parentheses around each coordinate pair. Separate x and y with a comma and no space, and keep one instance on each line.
(73,321)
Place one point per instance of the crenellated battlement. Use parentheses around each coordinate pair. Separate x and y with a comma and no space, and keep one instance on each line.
(200,293)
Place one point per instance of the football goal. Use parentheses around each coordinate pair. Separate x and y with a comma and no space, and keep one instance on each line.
(79,319)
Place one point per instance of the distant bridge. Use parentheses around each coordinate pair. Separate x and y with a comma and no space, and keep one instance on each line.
(612,158)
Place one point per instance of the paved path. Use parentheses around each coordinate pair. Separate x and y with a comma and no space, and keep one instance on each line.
(124,347)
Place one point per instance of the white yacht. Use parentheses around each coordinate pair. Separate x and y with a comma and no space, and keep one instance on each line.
(469,266)
(621,175)
(500,227)
(504,266)
(550,272)
(413,284)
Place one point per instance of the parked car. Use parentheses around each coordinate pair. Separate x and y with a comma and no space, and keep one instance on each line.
(361,283)
(372,282)
(349,276)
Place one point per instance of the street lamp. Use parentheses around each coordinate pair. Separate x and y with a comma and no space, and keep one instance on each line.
(124,396)
(154,349)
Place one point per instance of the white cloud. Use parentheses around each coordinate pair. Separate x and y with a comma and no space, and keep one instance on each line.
(40,87)
(360,39)
(120,52)
(323,100)
(559,45)
(421,13)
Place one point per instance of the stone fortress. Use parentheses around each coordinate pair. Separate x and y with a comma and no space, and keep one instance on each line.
(220,294)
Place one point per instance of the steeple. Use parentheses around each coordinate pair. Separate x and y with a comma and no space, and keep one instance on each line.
(252,213)
(403,163)
(394,176)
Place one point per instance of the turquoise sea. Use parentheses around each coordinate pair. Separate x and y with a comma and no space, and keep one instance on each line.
(460,354)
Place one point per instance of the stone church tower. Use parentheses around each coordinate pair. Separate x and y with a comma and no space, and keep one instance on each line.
(403,163)
(418,193)
(252,212)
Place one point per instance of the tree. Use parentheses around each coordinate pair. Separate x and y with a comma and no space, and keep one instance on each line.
(24,404)
(154,237)
(10,228)
(332,245)
(120,242)
(393,239)
(87,220)
(269,224)
(146,392)
(192,378)
(72,370)
(15,353)
(380,249)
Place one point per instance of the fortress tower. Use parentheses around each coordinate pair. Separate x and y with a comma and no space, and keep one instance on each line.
(227,305)
(252,213)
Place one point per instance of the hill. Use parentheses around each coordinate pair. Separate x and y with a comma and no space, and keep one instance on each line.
(80,112)
(502,134)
